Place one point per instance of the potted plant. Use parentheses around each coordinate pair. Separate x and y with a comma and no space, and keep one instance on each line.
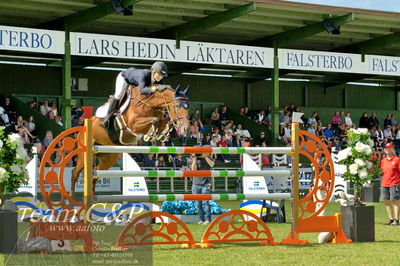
(13,174)
(361,168)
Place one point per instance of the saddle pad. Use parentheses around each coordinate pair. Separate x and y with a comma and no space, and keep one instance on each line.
(101,112)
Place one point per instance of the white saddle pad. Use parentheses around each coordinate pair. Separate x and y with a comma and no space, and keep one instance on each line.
(101,112)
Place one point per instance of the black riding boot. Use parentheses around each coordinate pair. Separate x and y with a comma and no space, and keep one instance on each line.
(110,111)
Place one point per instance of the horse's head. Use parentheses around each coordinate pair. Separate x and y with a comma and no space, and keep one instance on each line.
(179,111)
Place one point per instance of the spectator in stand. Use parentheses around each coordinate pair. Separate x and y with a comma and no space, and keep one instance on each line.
(342,118)
(5,121)
(387,133)
(311,129)
(312,120)
(329,133)
(150,161)
(44,108)
(246,112)
(286,134)
(223,143)
(195,118)
(48,138)
(160,162)
(268,116)
(336,146)
(341,132)
(180,163)
(215,117)
(335,121)
(379,134)
(364,121)
(206,140)
(242,132)
(53,108)
(216,134)
(241,111)
(395,123)
(32,105)
(397,138)
(21,127)
(373,121)
(388,121)
(320,133)
(76,112)
(260,118)
(237,142)
(224,117)
(31,126)
(347,121)
(287,119)
(51,115)
(9,109)
(291,108)
(58,120)
(260,139)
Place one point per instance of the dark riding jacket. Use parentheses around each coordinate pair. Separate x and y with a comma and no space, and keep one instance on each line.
(139,77)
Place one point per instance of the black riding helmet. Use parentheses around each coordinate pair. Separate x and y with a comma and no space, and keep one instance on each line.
(160,68)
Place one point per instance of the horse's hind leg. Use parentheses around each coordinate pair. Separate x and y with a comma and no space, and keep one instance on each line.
(76,172)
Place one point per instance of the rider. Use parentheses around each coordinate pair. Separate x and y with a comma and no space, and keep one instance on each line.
(137,77)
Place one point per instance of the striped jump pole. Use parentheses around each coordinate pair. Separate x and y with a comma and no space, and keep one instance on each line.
(180,197)
(191,150)
(187,173)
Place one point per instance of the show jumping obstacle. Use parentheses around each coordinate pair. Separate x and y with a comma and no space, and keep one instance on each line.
(231,226)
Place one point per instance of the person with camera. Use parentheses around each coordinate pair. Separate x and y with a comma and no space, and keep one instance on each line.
(201,185)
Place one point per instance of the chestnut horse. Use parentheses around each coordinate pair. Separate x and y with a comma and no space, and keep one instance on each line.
(150,117)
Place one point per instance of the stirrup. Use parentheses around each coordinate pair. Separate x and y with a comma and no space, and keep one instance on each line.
(106,121)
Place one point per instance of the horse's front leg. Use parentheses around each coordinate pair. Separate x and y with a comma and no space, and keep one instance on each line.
(164,129)
(145,125)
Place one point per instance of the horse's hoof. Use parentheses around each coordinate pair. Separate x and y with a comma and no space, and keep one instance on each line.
(146,138)
(159,137)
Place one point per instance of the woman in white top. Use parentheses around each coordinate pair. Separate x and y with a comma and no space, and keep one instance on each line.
(242,132)
(347,120)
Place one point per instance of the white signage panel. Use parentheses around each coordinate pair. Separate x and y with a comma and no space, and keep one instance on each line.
(85,44)
(31,40)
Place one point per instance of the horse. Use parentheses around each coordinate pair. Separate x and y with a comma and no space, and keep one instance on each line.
(148,117)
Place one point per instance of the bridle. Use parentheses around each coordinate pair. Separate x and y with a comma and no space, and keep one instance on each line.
(167,110)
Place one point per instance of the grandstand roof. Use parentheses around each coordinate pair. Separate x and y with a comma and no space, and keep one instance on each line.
(220,21)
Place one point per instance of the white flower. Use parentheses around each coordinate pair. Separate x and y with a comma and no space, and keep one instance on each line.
(369,165)
(16,169)
(3,173)
(343,154)
(371,142)
(362,148)
(362,131)
(363,173)
(15,139)
(359,162)
(353,168)
(21,153)
(1,143)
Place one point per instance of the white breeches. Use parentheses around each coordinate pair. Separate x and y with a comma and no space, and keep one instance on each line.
(120,87)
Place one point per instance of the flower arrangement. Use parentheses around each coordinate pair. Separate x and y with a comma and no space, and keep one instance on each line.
(361,166)
(13,158)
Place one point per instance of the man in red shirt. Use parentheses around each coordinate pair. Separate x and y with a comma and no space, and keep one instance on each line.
(390,183)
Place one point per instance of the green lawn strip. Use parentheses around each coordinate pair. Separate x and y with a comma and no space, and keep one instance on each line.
(382,252)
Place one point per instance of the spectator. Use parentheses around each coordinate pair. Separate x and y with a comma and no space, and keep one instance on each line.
(44,108)
(287,119)
(58,120)
(32,105)
(180,163)
(364,121)
(241,111)
(215,117)
(76,112)
(347,120)
(312,120)
(311,129)
(51,115)
(31,126)
(21,127)
(242,132)
(342,118)
(237,142)
(246,112)
(320,133)
(260,139)
(224,117)
(291,108)
(260,118)
(336,146)
(4,117)
(379,134)
(286,134)
(335,121)
(9,109)
(206,140)
(150,161)
(195,118)
(160,162)
(388,121)
(373,121)
(387,133)
(47,139)
(223,143)
(53,108)
(329,133)
(395,123)
(216,134)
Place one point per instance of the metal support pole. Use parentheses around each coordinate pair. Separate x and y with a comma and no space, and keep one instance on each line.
(88,164)
(275,103)
(66,83)
(295,179)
